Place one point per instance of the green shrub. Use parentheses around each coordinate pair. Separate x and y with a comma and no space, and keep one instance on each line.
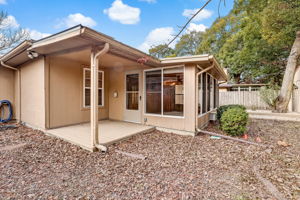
(222,109)
(234,121)
(269,95)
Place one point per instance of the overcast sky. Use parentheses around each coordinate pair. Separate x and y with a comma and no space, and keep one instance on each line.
(139,23)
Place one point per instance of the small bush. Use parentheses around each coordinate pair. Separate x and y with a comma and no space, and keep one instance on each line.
(234,121)
(269,95)
(222,109)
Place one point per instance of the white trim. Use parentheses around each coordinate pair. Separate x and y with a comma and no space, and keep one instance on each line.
(162,89)
(132,92)
(166,116)
(140,95)
(201,115)
(99,88)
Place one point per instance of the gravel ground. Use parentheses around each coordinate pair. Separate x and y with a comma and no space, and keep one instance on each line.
(177,167)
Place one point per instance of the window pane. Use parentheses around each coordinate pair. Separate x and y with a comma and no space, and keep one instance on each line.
(208,91)
(216,91)
(87,78)
(87,93)
(204,89)
(100,80)
(199,93)
(211,93)
(173,91)
(87,89)
(132,102)
(87,83)
(87,74)
(153,92)
(132,91)
(132,82)
(100,97)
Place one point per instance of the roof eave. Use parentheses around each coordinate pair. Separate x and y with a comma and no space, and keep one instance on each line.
(218,67)
(124,47)
(66,34)
(17,50)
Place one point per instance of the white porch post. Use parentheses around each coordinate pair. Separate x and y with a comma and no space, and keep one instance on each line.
(94,98)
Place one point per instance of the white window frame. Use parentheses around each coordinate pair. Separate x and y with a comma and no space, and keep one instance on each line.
(162,92)
(84,87)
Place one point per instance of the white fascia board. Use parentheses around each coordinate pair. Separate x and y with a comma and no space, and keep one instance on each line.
(76,31)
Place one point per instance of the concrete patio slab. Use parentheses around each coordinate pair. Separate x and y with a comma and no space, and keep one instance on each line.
(109,132)
(269,115)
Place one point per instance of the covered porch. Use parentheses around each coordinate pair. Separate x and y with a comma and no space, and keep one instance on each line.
(109,132)
(93,84)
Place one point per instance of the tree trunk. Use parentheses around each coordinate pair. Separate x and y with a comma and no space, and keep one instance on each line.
(286,90)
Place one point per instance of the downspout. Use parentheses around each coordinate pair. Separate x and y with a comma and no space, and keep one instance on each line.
(197,75)
(7,66)
(19,87)
(95,114)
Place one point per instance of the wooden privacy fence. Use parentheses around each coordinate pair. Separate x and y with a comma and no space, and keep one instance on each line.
(296,100)
(250,99)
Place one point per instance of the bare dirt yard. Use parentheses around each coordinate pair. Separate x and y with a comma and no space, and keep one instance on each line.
(36,166)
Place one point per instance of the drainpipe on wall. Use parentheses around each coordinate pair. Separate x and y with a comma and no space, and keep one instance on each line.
(7,66)
(94,97)
(19,87)
(197,96)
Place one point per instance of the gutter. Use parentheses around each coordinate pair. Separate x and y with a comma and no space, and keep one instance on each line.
(16,51)
(7,66)
(218,67)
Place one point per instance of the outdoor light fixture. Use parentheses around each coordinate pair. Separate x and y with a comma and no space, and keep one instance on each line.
(115,94)
(32,54)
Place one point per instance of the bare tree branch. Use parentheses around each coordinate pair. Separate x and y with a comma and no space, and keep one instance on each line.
(10,36)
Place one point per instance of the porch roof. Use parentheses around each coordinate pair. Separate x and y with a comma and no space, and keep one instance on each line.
(80,38)
(75,38)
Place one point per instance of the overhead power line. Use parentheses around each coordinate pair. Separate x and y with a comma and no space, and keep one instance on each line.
(187,23)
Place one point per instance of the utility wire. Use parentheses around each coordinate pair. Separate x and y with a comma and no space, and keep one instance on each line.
(187,23)
(184,27)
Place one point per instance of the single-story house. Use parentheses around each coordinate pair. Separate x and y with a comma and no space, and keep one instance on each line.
(72,81)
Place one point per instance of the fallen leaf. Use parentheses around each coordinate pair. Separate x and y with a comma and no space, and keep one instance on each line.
(283,143)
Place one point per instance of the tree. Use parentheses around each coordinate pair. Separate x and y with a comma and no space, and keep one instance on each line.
(188,43)
(253,41)
(287,83)
(161,51)
(10,36)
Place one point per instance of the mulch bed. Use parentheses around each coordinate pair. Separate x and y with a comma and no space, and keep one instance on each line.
(177,167)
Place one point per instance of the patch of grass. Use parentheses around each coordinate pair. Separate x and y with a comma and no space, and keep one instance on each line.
(242,197)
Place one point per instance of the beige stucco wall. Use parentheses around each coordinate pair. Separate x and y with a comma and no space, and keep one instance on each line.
(66,93)
(7,85)
(116,83)
(33,93)
(186,123)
